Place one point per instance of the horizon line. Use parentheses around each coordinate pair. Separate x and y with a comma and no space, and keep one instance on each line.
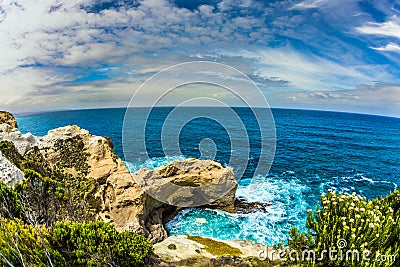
(121,107)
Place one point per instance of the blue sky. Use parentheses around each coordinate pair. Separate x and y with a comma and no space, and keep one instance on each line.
(313,54)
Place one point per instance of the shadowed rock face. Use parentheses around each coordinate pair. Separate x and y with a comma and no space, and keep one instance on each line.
(8,118)
(119,199)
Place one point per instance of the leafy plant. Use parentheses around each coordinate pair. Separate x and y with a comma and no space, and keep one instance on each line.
(364,233)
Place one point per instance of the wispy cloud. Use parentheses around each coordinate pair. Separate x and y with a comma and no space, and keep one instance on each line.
(391,47)
(302,71)
(389,28)
(309,4)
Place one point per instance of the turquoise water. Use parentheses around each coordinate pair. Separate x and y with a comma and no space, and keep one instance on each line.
(315,151)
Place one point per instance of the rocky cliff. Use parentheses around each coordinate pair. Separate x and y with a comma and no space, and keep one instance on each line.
(112,193)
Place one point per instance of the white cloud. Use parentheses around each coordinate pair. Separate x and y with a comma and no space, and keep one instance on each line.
(383,99)
(390,47)
(306,72)
(35,31)
(310,4)
(389,28)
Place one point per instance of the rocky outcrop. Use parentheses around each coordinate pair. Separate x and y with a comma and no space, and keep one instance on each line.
(186,250)
(119,198)
(191,183)
(8,118)
(243,206)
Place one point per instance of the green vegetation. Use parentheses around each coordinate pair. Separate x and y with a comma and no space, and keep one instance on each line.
(10,206)
(48,219)
(215,247)
(70,244)
(48,191)
(347,223)
(24,245)
(100,244)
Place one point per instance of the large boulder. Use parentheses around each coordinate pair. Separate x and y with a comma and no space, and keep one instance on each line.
(119,198)
(190,183)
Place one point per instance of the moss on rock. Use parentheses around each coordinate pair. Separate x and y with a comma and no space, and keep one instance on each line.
(215,247)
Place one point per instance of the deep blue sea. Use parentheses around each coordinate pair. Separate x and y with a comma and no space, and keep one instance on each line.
(315,151)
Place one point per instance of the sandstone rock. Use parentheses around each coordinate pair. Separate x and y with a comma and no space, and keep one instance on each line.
(190,183)
(9,173)
(23,142)
(176,250)
(8,118)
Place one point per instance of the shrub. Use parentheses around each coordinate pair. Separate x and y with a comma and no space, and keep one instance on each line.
(100,244)
(24,245)
(347,223)
(10,205)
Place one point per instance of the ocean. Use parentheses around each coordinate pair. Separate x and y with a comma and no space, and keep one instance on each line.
(315,151)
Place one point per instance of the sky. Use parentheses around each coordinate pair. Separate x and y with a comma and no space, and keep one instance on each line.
(307,54)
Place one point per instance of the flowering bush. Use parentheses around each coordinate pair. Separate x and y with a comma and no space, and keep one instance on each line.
(359,232)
